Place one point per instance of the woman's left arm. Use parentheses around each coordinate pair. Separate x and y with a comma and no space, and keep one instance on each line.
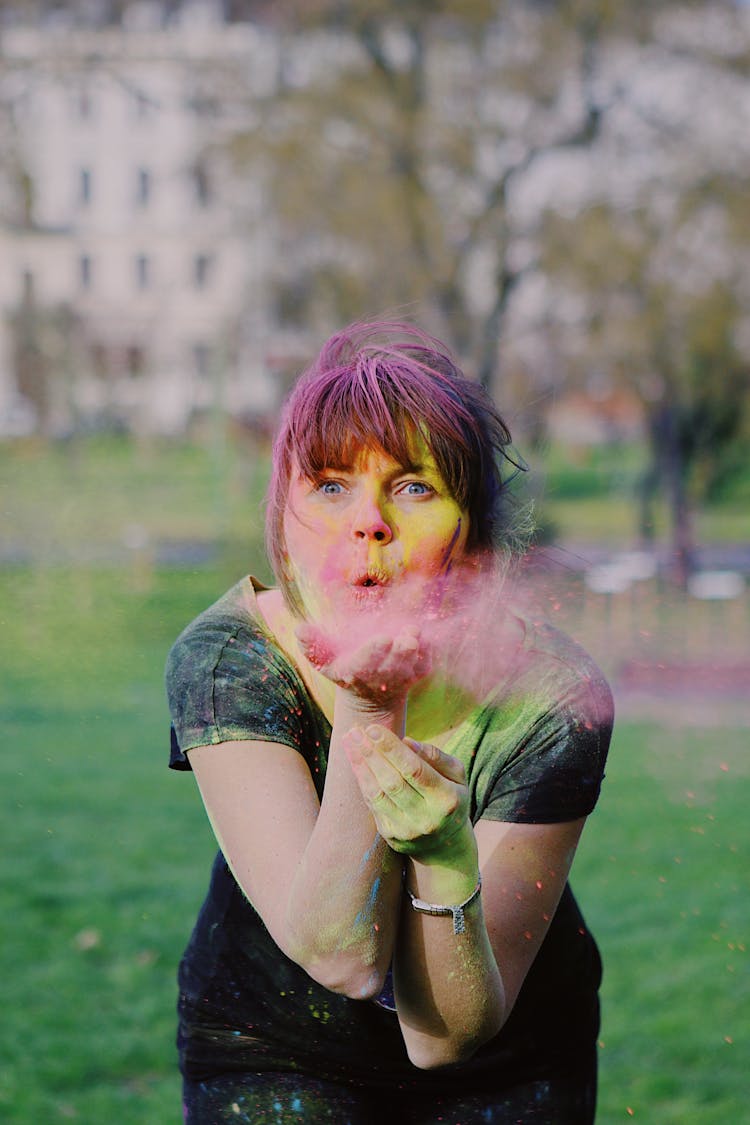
(454,991)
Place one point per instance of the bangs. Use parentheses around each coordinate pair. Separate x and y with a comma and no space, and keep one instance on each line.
(382,402)
(343,420)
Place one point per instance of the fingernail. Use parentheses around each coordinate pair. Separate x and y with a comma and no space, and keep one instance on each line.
(375,734)
(355,736)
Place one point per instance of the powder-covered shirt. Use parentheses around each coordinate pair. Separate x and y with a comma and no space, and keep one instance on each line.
(534,749)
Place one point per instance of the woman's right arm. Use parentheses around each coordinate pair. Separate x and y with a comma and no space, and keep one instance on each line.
(321,877)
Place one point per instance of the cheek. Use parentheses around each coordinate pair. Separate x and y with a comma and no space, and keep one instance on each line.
(329,567)
(435,543)
(313,548)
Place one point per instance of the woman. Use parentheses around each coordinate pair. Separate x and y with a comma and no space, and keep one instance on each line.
(389,926)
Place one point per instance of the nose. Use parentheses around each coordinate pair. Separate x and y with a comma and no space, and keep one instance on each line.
(370,524)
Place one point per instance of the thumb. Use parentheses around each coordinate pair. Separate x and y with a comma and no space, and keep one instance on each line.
(444,764)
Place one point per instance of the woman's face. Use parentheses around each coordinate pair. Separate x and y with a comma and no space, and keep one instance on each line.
(371,535)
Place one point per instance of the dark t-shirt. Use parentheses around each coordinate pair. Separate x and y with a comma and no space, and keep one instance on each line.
(534,749)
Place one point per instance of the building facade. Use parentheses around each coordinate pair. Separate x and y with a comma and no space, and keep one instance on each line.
(134,279)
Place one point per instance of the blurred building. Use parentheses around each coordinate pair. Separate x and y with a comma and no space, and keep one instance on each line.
(134,259)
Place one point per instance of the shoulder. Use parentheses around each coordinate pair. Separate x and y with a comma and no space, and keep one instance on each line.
(201,644)
(546,734)
(561,674)
(227,679)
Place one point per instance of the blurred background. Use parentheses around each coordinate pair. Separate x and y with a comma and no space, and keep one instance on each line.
(193,195)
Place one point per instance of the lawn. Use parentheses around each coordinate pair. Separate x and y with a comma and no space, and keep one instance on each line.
(107,852)
(107,856)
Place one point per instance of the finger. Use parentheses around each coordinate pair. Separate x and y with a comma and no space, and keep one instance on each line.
(379,799)
(397,791)
(362,662)
(444,764)
(406,641)
(407,663)
(414,769)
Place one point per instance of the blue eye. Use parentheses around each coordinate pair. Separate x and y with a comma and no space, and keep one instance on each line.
(330,487)
(417,488)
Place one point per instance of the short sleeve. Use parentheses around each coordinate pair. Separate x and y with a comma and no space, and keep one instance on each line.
(546,765)
(227,682)
(558,771)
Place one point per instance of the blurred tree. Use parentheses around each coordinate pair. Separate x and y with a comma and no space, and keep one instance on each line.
(399,176)
(665,320)
(46,345)
(392,171)
(396,168)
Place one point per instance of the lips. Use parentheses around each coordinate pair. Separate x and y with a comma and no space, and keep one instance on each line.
(369,587)
(371,578)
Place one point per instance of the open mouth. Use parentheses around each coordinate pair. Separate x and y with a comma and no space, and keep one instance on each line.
(370,586)
(371,579)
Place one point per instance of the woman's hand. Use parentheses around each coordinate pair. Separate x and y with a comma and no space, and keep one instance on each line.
(416,793)
(380,669)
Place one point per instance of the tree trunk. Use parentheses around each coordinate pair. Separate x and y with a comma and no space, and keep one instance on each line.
(665,432)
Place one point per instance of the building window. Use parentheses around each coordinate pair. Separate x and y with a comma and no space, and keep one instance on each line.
(202,360)
(143,106)
(99,361)
(202,100)
(135,361)
(143,271)
(85,271)
(84,186)
(201,184)
(202,267)
(143,187)
(84,105)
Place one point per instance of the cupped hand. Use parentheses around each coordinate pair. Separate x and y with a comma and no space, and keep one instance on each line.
(380,669)
(416,792)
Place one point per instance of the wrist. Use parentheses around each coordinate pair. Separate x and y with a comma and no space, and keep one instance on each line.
(449,875)
(351,710)
(456,909)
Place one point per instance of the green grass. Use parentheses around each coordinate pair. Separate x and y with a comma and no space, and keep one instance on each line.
(107,852)
(662,875)
(88,499)
(107,856)
(612,519)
